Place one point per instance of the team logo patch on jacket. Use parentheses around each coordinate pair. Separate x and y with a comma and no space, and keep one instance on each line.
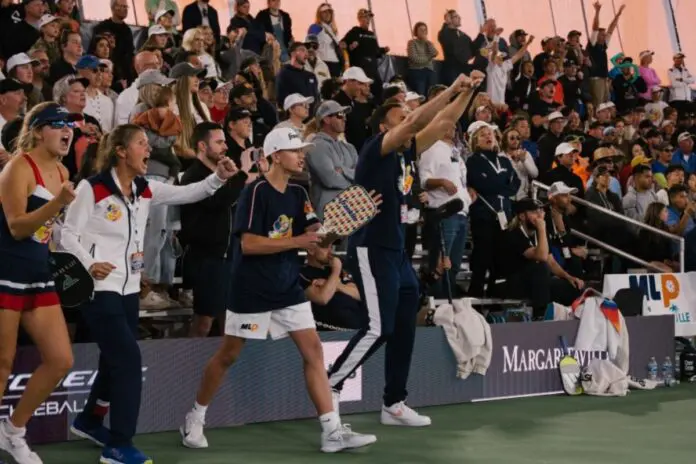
(113,212)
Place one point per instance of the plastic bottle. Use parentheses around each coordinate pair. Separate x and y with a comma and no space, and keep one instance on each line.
(652,369)
(668,371)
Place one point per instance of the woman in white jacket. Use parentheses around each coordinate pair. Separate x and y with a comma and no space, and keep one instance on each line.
(522,161)
(104,229)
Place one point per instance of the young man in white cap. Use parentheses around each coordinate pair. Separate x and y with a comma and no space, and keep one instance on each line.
(354,93)
(49,26)
(274,219)
(296,107)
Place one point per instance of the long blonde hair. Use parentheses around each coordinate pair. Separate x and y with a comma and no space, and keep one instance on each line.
(120,137)
(317,17)
(184,98)
(27,140)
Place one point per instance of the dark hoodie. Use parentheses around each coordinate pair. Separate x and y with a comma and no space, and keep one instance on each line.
(296,80)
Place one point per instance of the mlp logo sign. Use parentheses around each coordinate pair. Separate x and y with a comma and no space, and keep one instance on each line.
(664,294)
(352,388)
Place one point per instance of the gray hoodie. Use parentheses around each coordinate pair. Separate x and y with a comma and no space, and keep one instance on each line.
(331,169)
(636,204)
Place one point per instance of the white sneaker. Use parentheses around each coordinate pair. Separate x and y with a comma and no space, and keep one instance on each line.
(336,400)
(400,414)
(344,438)
(16,445)
(192,432)
(153,302)
(173,304)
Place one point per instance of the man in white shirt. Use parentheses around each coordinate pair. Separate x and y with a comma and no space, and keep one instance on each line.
(499,68)
(680,81)
(443,177)
(129,97)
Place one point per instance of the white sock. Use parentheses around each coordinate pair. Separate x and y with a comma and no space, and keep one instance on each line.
(199,410)
(329,421)
(13,429)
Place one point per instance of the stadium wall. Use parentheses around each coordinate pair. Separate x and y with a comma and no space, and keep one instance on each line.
(267,383)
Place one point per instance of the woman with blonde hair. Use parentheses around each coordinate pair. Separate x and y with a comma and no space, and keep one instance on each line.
(194,42)
(331,51)
(34,188)
(104,228)
(188,106)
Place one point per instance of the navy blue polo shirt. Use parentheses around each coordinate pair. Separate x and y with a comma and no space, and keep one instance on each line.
(264,283)
(392,176)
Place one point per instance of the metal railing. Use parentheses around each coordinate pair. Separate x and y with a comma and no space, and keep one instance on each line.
(682,243)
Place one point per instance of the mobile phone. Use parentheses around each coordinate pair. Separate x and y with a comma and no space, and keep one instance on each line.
(257,154)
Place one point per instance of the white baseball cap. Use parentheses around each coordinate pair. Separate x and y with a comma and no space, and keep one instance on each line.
(296,99)
(560,188)
(161,13)
(156,30)
(656,88)
(564,149)
(605,106)
(284,138)
(108,63)
(410,96)
(555,115)
(18,60)
(356,74)
(645,53)
(47,19)
(684,136)
(476,125)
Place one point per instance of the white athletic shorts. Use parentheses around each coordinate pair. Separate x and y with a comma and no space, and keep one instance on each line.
(279,323)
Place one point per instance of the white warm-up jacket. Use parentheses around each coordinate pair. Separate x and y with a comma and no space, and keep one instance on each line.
(102,226)
(468,335)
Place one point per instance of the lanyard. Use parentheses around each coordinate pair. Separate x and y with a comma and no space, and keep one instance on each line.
(133,208)
(534,243)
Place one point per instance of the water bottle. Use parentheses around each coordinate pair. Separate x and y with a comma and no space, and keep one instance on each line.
(667,371)
(652,369)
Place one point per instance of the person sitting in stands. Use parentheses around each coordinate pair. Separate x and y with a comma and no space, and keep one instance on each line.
(528,269)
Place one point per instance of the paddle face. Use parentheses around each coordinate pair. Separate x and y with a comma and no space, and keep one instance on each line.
(570,371)
(73,283)
(348,212)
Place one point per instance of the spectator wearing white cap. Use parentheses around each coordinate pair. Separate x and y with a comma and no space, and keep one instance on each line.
(603,113)
(49,27)
(680,81)
(550,141)
(566,155)
(296,107)
(684,155)
(413,100)
(155,8)
(565,248)
(648,74)
(21,68)
(655,109)
(331,161)
(353,93)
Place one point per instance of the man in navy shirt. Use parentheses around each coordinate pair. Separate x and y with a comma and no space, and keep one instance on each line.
(274,219)
(376,254)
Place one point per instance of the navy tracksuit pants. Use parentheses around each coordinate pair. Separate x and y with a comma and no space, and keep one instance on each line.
(389,291)
(113,325)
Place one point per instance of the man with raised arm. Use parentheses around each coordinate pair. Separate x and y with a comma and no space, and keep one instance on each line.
(376,254)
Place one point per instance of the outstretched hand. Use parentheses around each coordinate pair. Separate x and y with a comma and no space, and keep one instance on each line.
(226,168)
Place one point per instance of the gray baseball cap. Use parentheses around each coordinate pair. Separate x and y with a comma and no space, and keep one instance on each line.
(187,70)
(330,107)
(153,76)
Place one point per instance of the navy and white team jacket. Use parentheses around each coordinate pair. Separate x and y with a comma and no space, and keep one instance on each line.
(101,225)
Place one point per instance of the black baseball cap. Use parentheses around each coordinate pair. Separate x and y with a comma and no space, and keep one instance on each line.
(53,113)
(527,204)
(238,91)
(10,85)
(237,112)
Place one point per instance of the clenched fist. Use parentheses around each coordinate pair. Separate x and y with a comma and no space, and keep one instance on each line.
(67,193)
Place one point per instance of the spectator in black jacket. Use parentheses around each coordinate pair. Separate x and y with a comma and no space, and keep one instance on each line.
(122,54)
(278,23)
(206,229)
(293,78)
(456,47)
(200,13)
(353,93)
(364,51)
(23,35)
(256,36)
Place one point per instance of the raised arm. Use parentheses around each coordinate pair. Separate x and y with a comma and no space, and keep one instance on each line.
(615,21)
(523,49)
(15,188)
(165,194)
(418,119)
(595,21)
(445,119)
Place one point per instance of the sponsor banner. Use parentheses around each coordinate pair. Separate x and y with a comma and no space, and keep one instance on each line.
(525,356)
(267,383)
(664,294)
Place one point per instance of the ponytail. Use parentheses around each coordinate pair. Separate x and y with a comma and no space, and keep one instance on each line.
(119,137)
